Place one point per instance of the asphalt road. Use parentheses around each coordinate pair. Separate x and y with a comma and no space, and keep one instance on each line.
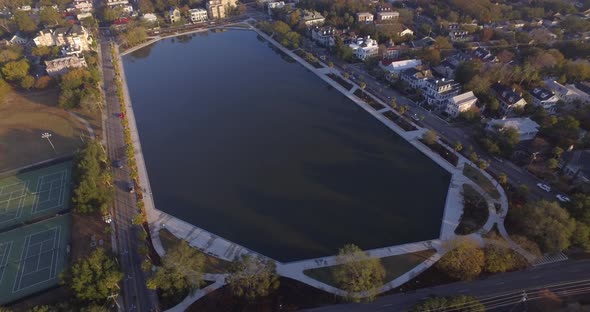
(451,132)
(532,280)
(136,296)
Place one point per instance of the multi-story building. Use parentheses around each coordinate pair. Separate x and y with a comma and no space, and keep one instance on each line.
(415,78)
(459,35)
(62,65)
(545,98)
(448,67)
(173,15)
(526,128)
(198,15)
(568,93)
(310,18)
(386,16)
(461,103)
(323,36)
(274,5)
(508,98)
(364,48)
(83,5)
(74,36)
(393,69)
(115,3)
(364,17)
(220,8)
(439,91)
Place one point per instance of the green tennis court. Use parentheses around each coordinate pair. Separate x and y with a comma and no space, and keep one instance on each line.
(32,256)
(34,194)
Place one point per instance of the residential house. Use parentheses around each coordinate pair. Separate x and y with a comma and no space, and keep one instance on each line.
(310,18)
(323,36)
(364,48)
(459,36)
(217,9)
(149,18)
(62,65)
(576,165)
(568,93)
(387,16)
(422,43)
(461,103)
(526,128)
(116,3)
(75,36)
(393,51)
(364,17)
(508,98)
(484,55)
(415,78)
(198,15)
(544,98)
(439,91)
(19,39)
(518,24)
(448,67)
(393,69)
(173,15)
(274,5)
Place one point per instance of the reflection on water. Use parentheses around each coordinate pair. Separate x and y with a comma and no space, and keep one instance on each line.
(258,150)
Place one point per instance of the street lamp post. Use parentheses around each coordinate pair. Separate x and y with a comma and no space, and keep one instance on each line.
(47,136)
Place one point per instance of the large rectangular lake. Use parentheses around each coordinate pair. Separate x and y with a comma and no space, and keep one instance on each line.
(244,142)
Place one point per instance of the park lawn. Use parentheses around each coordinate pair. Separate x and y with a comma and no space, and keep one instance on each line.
(212,264)
(25,116)
(481,180)
(475,212)
(394,266)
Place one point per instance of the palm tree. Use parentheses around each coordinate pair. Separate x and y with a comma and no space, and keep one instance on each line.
(393,103)
(363,85)
(458,146)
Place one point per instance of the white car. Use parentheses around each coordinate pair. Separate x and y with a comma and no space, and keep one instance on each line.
(544,187)
(562,198)
(415,117)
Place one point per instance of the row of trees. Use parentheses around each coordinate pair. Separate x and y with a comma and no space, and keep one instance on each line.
(93,182)
(282,33)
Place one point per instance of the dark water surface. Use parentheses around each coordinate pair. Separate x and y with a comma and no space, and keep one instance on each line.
(245,144)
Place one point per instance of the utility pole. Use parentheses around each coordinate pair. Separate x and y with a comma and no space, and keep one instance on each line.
(47,136)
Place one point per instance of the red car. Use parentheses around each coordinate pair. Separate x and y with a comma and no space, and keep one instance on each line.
(121,115)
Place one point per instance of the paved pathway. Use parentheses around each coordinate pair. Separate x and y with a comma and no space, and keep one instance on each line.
(219,281)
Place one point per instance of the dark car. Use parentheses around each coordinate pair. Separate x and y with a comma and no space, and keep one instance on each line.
(118,164)
(130,187)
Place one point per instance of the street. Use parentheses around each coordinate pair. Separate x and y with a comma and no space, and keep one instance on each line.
(136,296)
(575,273)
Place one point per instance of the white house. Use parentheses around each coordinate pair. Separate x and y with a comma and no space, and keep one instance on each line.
(274,5)
(387,15)
(323,36)
(198,15)
(568,93)
(439,91)
(394,68)
(526,128)
(461,103)
(545,98)
(364,17)
(364,48)
(62,65)
(149,18)
(83,5)
(174,15)
(415,78)
(18,39)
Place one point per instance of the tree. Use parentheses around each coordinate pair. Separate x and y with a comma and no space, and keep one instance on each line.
(145,6)
(15,70)
(10,53)
(357,272)
(363,85)
(552,163)
(548,224)
(502,178)
(182,269)
(443,43)
(27,82)
(252,277)
(464,261)
(442,304)
(429,137)
(94,278)
(50,16)
(501,259)
(557,151)
(458,146)
(393,103)
(43,82)
(581,236)
(331,64)
(346,75)
(24,22)
(579,207)
(133,36)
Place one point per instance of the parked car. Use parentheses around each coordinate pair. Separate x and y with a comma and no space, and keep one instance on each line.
(118,164)
(544,187)
(415,117)
(562,198)
(130,187)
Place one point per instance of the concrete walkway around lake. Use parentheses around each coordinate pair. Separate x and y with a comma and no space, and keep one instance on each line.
(227,250)
(218,282)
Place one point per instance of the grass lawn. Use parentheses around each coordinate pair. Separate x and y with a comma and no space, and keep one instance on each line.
(212,264)
(394,266)
(25,116)
(475,212)
(476,176)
